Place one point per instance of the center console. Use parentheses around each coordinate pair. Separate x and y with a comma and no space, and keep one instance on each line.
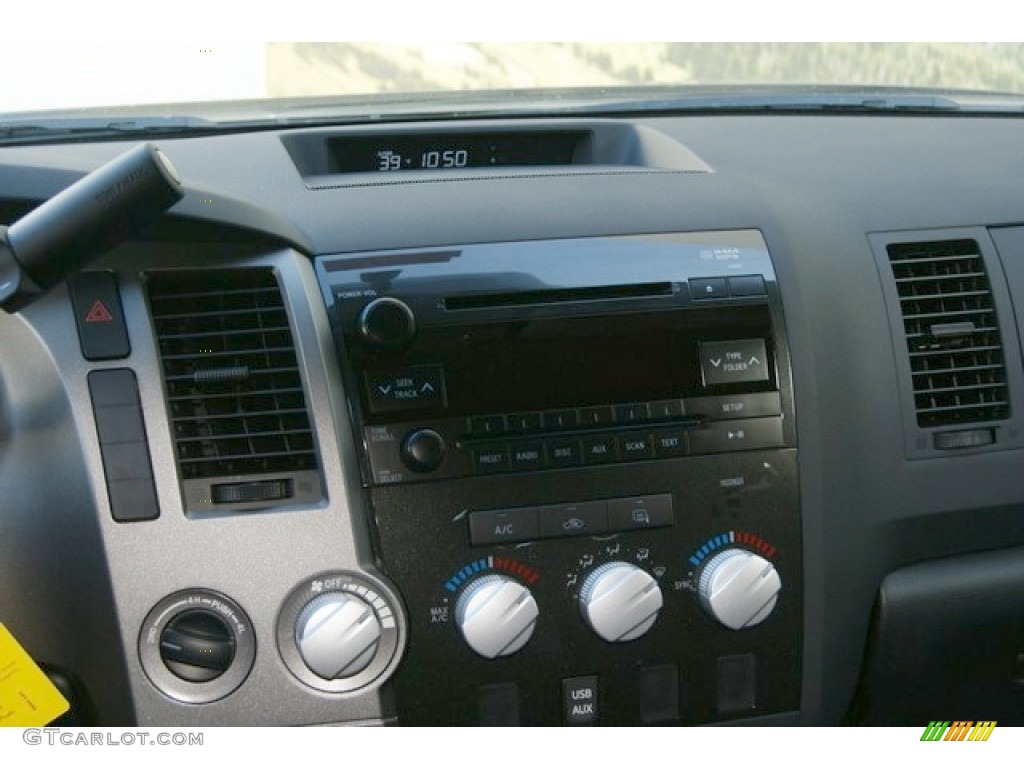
(580,460)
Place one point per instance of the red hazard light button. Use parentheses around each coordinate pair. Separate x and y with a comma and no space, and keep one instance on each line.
(98,316)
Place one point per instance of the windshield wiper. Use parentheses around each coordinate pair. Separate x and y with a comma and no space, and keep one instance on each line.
(39,131)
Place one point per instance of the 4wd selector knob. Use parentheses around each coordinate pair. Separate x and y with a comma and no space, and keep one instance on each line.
(496,616)
(386,323)
(337,635)
(620,601)
(739,588)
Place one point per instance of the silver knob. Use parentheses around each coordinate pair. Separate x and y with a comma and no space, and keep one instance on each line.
(337,635)
(496,616)
(739,588)
(620,601)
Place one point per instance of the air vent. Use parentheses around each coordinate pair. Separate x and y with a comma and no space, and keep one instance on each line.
(234,389)
(956,355)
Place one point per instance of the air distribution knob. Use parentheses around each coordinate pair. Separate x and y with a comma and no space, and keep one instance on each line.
(739,588)
(337,635)
(620,601)
(386,324)
(496,615)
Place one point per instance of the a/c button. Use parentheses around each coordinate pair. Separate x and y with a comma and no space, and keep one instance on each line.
(498,526)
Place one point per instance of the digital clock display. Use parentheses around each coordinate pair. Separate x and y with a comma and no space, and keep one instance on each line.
(445,152)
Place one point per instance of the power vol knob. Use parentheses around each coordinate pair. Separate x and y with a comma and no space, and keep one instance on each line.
(386,324)
(496,616)
(620,602)
(739,588)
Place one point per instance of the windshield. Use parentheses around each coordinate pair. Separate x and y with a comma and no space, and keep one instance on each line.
(83,75)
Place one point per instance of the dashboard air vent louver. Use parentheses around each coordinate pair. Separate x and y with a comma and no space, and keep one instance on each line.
(233,383)
(956,354)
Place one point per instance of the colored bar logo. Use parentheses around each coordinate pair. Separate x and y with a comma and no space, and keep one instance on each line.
(959,730)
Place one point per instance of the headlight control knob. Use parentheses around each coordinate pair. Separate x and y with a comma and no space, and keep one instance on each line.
(739,588)
(337,635)
(620,602)
(496,616)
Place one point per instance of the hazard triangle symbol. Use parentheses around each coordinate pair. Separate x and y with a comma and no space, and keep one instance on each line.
(99,313)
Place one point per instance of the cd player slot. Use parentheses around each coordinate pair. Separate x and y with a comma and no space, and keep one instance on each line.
(556,296)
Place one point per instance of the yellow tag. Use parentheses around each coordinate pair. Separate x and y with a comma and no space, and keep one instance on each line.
(27,697)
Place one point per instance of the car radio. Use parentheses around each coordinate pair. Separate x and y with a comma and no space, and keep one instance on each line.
(580,457)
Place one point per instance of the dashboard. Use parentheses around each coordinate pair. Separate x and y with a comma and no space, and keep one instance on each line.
(652,420)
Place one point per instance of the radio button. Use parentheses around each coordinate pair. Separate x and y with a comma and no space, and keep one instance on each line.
(736,406)
(632,412)
(499,526)
(666,409)
(739,435)
(640,512)
(486,426)
(585,518)
(523,422)
(564,453)
(597,416)
(669,444)
(601,449)
(560,419)
(635,446)
(489,460)
(526,456)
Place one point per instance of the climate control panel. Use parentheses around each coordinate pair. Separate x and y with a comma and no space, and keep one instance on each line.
(692,618)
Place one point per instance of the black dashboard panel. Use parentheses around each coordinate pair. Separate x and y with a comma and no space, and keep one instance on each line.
(854,498)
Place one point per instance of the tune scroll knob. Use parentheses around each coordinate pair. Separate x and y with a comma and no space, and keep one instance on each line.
(496,616)
(739,588)
(423,450)
(337,635)
(386,324)
(620,602)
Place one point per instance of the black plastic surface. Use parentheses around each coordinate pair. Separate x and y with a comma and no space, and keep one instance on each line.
(947,642)
(123,446)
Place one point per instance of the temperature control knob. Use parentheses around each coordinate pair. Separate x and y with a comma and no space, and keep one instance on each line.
(337,635)
(620,601)
(386,323)
(496,616)
(739,588)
